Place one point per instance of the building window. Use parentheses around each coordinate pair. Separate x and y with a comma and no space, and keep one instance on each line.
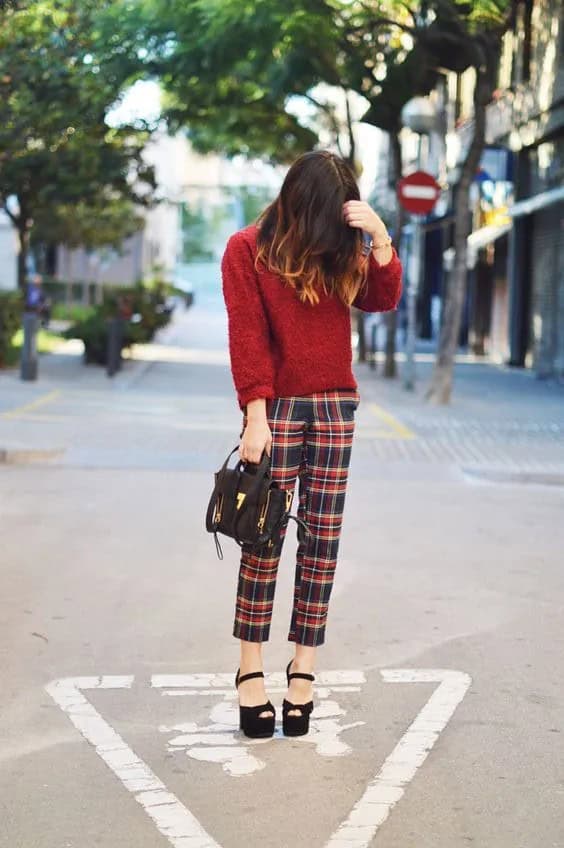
(522,42)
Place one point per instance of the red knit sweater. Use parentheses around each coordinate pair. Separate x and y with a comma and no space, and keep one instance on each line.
(281,346)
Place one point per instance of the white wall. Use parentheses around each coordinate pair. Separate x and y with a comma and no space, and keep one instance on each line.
(8,253)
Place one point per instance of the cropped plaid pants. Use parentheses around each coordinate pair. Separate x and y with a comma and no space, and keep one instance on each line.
(311,442)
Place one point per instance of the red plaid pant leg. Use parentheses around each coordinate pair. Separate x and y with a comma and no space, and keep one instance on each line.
(323,483)
(258,570)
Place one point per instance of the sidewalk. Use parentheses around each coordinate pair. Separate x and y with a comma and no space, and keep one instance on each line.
(500,421)
(501,426)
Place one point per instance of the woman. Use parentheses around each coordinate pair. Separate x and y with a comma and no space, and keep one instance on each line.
(288,283)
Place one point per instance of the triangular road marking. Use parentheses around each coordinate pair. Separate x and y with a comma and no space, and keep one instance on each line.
(175,821)
(398,769)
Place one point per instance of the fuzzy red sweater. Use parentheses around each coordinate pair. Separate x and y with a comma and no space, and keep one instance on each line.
(281,346)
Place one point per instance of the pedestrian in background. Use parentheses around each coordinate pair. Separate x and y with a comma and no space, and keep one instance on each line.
(37,301)
(289,282)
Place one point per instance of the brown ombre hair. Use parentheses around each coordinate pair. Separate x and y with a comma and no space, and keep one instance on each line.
(303,235)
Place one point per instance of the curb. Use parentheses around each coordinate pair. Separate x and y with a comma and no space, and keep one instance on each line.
(24,456)
(535,478)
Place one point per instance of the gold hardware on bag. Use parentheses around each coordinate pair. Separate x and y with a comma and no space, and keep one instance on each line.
(289,499)
(262,517)
(218,508)
(240,498)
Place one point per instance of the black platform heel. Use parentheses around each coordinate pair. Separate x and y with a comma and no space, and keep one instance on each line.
(251,722)
(296,725)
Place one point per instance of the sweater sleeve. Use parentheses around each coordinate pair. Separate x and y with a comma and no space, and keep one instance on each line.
(249,333)
(383,287)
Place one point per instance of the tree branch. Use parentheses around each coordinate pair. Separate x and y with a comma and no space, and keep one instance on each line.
(13,218)
(352,143)
(328,110)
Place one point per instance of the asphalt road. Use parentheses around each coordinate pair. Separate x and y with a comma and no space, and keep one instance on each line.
(440,695)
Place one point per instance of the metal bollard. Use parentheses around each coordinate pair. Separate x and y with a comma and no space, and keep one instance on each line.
(28,365)
(373,346)
(115,339)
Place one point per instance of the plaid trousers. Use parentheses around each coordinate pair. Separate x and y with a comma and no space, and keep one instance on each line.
(311,442)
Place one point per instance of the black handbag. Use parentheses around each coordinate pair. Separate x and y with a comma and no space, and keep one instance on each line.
(249,506)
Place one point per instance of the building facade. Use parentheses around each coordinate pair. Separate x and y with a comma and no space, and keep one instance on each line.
(528,121)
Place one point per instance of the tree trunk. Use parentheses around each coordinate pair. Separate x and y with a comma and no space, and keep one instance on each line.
(361,330)
(390,367)
(350,132)
(23,236)
(440,388)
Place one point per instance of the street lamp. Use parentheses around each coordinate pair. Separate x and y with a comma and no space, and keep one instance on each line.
(419,116)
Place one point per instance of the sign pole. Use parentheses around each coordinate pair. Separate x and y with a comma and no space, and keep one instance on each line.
(417,193)
(413,286)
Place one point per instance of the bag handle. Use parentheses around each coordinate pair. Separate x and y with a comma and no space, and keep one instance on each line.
(262,472)
(262,467)
(211,525)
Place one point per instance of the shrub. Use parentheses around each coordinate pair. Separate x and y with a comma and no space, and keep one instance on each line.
(143,310)
(93,330)
(11,307)
(71,312)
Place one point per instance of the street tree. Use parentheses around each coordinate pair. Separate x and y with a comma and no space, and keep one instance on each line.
(404,76)
(233,71)
(460,37)
(238,75)
(224,77)
(455,36)
(62,68)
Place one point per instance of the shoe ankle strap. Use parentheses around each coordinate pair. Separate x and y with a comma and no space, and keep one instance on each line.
(250,676)
(301,675)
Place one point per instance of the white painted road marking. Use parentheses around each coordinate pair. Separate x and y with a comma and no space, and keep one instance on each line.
(386,789)
(171,818)
(175,821)
(219,741)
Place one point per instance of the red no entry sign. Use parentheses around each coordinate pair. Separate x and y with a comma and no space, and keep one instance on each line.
(418,192)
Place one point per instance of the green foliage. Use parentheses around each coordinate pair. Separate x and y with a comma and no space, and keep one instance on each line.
(93,331)
(74,312)
(219,65)
(11,307)
(232,69)
(142,309)
(103,223)
(58,157)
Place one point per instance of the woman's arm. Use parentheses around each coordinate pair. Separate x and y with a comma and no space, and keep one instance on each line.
(257,435)
(382,291)
(249,346)
(249,333)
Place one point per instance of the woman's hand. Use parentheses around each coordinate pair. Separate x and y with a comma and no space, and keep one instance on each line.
(360,214)
(256,437)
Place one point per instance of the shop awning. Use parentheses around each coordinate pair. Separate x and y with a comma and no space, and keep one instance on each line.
(476,241)
(485,235)
(539,201)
